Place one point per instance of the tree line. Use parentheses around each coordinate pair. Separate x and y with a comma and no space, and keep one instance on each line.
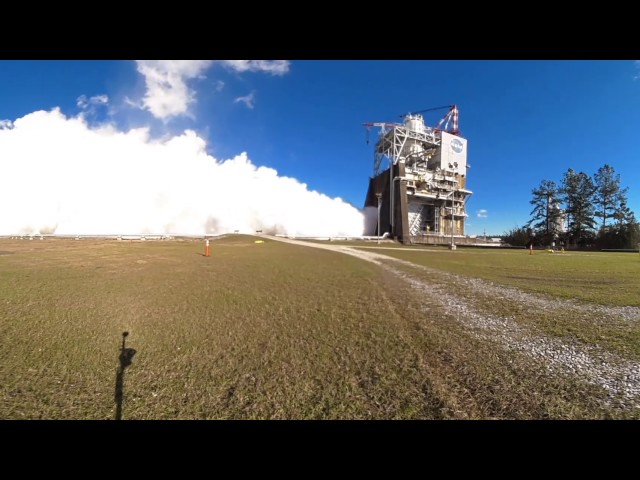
(580,212)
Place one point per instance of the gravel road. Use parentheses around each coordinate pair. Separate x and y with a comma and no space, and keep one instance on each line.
(620,377)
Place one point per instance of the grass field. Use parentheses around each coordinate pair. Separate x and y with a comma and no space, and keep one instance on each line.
(261,331)
(598,277)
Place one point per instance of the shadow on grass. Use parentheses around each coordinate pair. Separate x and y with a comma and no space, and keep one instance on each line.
(126,357)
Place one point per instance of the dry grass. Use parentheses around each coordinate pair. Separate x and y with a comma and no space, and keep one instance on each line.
(598,277)
(256,331)
(582,277)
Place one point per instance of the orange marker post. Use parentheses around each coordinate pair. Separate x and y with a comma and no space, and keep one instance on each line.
(206,248)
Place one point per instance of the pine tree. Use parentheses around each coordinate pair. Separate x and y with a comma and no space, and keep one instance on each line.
(628,226)
(578,193)
(623,214)
(517,236)
(608,195)
(545,216)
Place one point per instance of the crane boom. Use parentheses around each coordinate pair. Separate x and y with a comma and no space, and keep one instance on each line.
(426,110)
(451,117)
(382,125)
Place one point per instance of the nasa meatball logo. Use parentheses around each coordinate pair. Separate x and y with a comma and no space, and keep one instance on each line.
(457,145)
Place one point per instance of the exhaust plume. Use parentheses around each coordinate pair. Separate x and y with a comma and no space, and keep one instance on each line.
(60,175)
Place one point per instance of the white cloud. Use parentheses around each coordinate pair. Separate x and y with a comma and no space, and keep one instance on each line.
(248,100)
(133,103)
(274,67)
(63,176)
(482,213)
(167,92)
(6,124)
(637,65)
(99,100)
(83,102)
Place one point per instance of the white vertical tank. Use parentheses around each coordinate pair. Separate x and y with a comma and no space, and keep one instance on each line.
(415,123)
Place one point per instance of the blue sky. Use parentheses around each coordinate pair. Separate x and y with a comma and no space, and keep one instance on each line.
(524,120)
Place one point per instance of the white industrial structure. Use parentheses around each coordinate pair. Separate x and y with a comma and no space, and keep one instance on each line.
(558,217)
(420,177)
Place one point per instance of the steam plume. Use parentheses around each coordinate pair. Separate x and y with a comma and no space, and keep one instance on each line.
(60,175)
